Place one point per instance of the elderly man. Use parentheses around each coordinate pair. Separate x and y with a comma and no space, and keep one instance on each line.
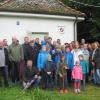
(15,55)
(3,64)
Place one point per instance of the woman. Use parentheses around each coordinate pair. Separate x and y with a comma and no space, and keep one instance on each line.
(96,62)
(76,52)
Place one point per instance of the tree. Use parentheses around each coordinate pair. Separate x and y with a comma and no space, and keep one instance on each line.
(90,28)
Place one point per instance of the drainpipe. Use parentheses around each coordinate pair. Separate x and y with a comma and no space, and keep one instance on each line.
(75,28)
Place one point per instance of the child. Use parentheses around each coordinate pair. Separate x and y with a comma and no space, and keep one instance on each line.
(70,62)
(42,58)
(85,69)
(56,54)
(77,76)
(62,74)
(49,70)
(41,61)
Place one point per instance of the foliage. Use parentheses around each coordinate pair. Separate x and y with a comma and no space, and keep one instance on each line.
(90,28)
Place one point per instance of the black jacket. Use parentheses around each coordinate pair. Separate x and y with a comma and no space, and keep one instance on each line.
(49,66)
(26,49)
(96,58)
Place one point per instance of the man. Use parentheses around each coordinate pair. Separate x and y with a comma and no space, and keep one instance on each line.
(26,47)
(31,73)
(15,55)
(3,64)
(34,51)
(82,41)
(44,41)
(50,44)
(58,41)
(86,53)
(5,44)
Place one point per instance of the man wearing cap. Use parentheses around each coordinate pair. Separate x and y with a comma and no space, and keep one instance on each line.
(3,64)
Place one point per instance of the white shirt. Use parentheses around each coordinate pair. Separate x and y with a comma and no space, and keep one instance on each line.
(2,58)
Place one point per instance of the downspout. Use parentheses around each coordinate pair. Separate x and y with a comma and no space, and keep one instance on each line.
(75,33)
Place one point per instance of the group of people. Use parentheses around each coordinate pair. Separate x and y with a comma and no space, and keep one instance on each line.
(49,64)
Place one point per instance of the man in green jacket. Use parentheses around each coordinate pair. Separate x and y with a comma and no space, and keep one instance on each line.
(15,56)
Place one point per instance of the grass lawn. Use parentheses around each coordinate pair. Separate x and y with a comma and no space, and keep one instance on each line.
(92,93)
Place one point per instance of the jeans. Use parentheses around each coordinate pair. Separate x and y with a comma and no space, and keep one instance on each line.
(15,71)
(97,76)
(4,73)
(49,81)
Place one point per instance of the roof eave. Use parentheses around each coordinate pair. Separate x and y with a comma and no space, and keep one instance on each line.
(42,12)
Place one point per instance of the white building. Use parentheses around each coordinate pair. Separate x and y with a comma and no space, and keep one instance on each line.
(37,18)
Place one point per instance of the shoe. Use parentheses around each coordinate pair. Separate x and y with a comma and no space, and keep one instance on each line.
(78,90)
(65,91)
(61,91)
(13,84)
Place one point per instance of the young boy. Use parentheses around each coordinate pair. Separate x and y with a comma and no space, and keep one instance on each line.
(62,74)
(85,69)
(70,62)
(49,71)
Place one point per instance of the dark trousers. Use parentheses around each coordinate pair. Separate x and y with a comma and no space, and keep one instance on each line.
(15,71)
(49,81)
(69,76)
(4,73)
(62,82)
(84,81)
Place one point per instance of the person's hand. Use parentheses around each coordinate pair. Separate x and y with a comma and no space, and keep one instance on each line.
(48,73)
(65,67)
(92,72)
(39,70)
(93,63)
(60,75)
(28,83)
(35,76)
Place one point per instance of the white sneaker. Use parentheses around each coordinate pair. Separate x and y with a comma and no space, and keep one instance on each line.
(78,90)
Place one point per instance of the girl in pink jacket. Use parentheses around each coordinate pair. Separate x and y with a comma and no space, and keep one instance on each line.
(77,76)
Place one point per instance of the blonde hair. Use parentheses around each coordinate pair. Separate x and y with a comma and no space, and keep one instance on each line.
(95,45)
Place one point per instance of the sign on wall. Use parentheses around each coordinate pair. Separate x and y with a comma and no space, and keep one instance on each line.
(61,29)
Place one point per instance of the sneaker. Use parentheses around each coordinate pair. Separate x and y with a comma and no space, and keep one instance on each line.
(61,91)
(78,90)
(65,91)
